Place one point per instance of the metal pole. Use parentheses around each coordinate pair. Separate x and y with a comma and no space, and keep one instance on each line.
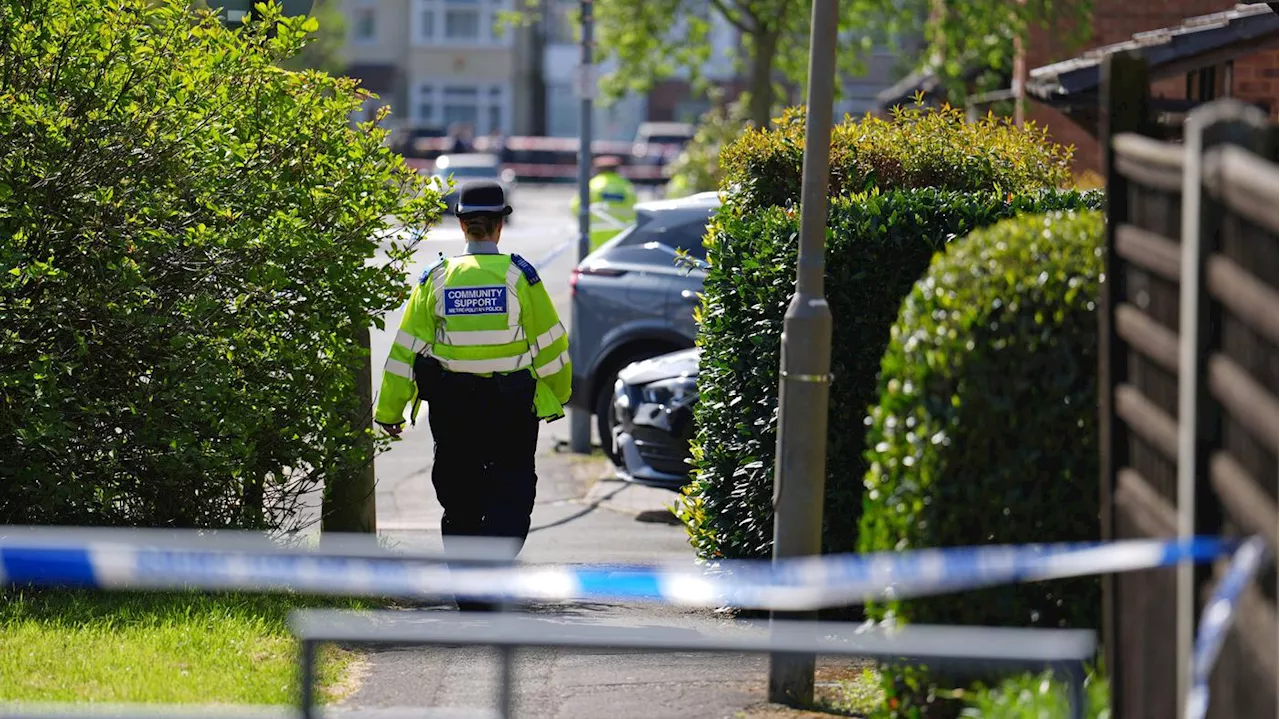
(506,693)
(307,697)
(805,375)
(580,420)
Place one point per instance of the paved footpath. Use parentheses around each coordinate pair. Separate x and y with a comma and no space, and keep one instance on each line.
(582,515)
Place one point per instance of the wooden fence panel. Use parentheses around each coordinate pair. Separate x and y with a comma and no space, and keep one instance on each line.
(1191,452)
(1138,383)
(1240,217)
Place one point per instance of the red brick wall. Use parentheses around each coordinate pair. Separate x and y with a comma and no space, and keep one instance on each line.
(1118,20)
(1255,79)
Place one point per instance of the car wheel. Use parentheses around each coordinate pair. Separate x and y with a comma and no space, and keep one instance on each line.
(605,422)
(603,405)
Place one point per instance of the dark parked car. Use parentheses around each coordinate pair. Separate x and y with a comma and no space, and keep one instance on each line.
(633,299)
(651,423)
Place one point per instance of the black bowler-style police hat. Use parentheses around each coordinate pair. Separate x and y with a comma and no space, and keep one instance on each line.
(482,197)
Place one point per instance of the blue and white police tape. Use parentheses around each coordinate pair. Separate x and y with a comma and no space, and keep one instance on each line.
(1216,621)
(789,585)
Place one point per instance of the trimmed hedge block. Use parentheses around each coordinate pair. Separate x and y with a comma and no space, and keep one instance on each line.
(986,432)
(879,244)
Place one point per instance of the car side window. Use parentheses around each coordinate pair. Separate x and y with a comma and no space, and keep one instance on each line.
(636,247)
(686,236)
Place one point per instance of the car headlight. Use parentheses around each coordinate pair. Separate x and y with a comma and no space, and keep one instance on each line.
(674,391)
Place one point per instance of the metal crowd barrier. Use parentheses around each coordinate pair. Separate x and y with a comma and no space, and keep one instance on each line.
(482,570)
(1063,651)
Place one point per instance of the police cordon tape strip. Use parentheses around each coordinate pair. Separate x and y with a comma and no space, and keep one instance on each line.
(82,559)
(1216,620)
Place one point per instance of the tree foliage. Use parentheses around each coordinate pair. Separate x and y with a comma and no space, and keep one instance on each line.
(323,50)
(970,44)
(660,39)
(652,41)
(189,241)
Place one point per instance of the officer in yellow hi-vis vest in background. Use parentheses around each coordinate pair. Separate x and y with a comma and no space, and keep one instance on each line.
(481,344)
(613,200)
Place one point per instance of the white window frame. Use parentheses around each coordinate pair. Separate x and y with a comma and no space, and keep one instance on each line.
(488,10)
(486,99)
(362,6)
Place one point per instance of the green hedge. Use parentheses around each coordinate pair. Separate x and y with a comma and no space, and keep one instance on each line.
(879,244)
(985,432)
(914,148)
(185,236)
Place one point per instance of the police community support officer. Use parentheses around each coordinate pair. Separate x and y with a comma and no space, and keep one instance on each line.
(613,200)
(481,343)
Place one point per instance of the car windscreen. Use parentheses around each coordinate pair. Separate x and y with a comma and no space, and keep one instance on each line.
(475,171)
(667,139)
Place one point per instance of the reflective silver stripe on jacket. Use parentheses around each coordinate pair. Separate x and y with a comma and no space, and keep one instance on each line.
(410,342)
(472,338)
(398,368)
(553,366)
(437,286)
(546,338)
(513,294)
(501,364)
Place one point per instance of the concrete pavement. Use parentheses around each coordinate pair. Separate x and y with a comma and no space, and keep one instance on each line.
(582,514)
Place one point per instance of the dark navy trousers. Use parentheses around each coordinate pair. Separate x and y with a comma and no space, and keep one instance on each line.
(486,435)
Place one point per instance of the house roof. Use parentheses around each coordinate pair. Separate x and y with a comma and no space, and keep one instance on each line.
(1197,42)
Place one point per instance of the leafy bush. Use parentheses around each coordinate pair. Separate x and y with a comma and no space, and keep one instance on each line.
(186,232)
(1036,696)
(985,432)
(915,148)
(878,246)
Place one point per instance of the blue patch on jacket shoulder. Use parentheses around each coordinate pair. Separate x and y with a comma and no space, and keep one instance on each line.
(530,274)
(426,274)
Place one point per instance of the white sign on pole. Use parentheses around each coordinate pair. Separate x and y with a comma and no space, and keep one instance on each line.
(584,81)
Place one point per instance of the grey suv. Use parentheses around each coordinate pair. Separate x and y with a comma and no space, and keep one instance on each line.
(634,300)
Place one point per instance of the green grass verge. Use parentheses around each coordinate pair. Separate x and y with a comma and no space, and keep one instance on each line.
(859,696)
(78,646)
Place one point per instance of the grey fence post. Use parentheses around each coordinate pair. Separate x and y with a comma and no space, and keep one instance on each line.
(506,692)
(307,695)
(1222,122)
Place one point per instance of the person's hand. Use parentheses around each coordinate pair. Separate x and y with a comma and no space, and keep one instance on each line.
(392,429)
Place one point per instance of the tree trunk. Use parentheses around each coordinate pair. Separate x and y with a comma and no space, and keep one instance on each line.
(349,504)
(763,49)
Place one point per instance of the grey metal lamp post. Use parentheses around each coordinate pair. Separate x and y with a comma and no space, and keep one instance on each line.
(805,375)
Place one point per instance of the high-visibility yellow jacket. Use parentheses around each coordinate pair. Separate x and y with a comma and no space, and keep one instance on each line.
(480,313)
(613,200)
